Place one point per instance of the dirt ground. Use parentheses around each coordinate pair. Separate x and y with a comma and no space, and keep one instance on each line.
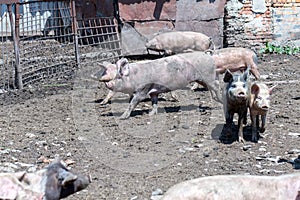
(141,157)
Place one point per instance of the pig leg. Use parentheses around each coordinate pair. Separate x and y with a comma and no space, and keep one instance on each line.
(263,123)
(154,100)
(195,86)
(136,99)
(214,88)
(254,125)
(240,126)
(133,103)
(229,122)
(245,117)
(108,97)
(174,96)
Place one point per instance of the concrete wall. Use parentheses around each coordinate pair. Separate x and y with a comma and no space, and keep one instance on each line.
(149,17)
(252,23)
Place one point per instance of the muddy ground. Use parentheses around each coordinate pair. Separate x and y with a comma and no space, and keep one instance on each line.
(143,156)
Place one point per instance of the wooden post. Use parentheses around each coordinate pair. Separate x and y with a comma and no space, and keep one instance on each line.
(16,40)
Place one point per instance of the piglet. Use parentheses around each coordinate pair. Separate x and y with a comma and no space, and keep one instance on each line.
(236,100)
(51,183)
(259,104)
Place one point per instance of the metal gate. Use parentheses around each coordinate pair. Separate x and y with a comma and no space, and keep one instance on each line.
(41,40)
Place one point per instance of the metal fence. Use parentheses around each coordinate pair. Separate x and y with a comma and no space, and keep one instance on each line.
(41,40)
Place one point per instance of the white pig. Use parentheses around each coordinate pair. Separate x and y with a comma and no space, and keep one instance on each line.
(237,187)
(259,104)
(179,42)
(153,77)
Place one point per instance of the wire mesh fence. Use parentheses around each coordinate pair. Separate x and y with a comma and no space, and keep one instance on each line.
(45,40)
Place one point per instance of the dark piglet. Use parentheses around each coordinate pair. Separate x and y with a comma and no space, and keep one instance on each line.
(51,183)
(236,100)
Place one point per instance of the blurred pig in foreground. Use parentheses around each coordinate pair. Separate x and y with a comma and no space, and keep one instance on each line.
(167,74)
(51,183)
(179,42)
(259,104)
(236,100)
(237,187)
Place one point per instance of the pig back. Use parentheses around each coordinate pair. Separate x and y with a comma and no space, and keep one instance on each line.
(179,41)
(172,72)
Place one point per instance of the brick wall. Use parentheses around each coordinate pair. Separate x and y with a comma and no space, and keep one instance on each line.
(252,23)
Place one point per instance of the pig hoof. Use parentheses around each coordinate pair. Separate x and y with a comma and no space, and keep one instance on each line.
(103,102)
(254,139)
(262,130)
(241,140)
(153,112)
(125,115)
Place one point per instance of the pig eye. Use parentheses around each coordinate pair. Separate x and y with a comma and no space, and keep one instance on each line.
(233,85)
(259,97)
(244,85)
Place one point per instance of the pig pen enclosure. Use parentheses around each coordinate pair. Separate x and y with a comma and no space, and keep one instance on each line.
(143,156)
(137,158)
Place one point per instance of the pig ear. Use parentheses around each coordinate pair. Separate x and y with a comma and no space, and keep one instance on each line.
(254,89)
(228,76)
(271,89)
(20,175)
(66,177)
(120,65)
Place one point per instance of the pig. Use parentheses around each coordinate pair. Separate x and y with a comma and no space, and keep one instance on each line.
(51,183)
(237,187)
(109,74)
(179,42)
(235,59)
(235,97)
(162,75)
(259,104)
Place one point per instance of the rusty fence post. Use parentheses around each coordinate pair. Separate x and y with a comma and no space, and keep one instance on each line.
(74,30)
(16,41)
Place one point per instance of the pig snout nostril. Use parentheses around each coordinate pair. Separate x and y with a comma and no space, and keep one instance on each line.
(241,94)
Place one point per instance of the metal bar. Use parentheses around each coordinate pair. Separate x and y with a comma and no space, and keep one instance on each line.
(9,1)
(18,71)
(74,30)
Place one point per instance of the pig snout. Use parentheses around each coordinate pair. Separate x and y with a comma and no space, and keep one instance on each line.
(237,93)
(98,75)
(241,95)
(110,85)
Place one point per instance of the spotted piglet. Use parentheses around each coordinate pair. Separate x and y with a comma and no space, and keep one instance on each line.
(259,104)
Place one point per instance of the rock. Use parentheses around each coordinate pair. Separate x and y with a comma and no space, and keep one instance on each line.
(293,151)
(246,147)
(157,192)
